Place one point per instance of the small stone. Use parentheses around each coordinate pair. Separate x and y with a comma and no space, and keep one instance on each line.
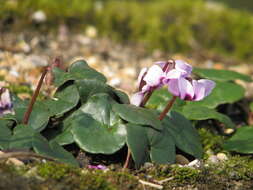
(213,159)
(148,165)
(229,131)
(180,159)
(39,16)
(91,32)
(195,163)
(222,156)
(114,82)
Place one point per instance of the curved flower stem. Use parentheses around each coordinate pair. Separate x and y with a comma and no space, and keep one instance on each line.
(167,108)
(34,97)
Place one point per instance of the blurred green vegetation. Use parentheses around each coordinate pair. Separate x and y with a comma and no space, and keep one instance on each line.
(180,26)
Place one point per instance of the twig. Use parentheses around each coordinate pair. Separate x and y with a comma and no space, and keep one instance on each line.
(8,155)
(34,97)
(151,184)
(164,180)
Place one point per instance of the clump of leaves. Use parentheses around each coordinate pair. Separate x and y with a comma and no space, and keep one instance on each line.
(99,119)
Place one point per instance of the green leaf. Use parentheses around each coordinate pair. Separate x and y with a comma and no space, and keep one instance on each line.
(96,128)
(163,151)
(77,71)
(25,137)
(185,135)
(123,97)
(159,147)
(195,112)
(80,70)
(224,92)
(221,75)
(5,134)
(138,143)
(137,115)
(160,98)
(64,138)
(65,99)
(241,141)
(54,150)
(39,117)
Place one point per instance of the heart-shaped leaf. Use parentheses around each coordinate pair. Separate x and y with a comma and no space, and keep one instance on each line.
(5,134)
(163,151)
(95,127)
(39,117)
(77,71)
(221,75)
(185,135)
(224,92)
(137,115)
(25,137)
(241,141)
(195,112)
(137,141)
(65,99)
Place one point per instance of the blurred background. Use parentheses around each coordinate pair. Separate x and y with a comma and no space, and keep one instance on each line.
(118,37)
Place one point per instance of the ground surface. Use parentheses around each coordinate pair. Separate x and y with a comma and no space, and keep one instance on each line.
(23,54)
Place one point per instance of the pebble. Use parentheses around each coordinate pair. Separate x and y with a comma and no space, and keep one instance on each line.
(39,16)
(222,157)
(229,131)
(180,159)
(213,159)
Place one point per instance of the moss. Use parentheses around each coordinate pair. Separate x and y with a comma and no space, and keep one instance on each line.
(210,141)
(172,26)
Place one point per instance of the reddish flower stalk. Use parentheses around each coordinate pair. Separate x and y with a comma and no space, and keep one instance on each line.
(34,97)
(167,108)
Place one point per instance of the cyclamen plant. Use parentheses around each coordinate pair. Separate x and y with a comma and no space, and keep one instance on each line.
(98,118)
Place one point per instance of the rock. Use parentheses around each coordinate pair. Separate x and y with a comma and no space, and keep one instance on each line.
(91,31)
(195,163)
(213,159)
(229,131)
(222,156)
(39,16)
(180,159)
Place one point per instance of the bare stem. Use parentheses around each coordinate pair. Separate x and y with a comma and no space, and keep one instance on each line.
(34,97)
(126,164)
(167,108)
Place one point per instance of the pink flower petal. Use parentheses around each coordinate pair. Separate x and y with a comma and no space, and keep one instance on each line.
(137,98)
(154,76)
(202,88)
(183,67)
(185,89)
(173,87)
(141,75)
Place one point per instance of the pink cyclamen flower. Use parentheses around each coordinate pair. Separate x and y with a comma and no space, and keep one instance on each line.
(5,101)
(98,167)
(175,75)
(148,80)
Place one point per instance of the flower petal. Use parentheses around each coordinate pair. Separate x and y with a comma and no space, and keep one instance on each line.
(137,98)
(143,72)
(173,87)
(185,89)
(174,74)
(183,67)
(154,75)
(202,88)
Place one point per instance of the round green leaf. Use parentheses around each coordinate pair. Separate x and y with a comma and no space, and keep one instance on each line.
(137,115)
(65,99)
(221,75)
(137,141)
(185,135)
(80,70)
(96,128)
(5,134)
(195,112)
(224,92)
(163,151)
(241,141)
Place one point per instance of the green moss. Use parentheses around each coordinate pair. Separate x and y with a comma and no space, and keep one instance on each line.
(210,141)
(172,26)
